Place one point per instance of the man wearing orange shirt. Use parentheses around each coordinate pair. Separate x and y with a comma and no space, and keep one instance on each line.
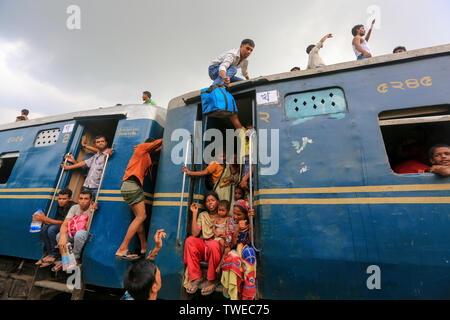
(215,169)
(133,194)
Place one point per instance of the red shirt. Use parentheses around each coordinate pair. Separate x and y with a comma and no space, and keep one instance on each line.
(411,166)
(141,160)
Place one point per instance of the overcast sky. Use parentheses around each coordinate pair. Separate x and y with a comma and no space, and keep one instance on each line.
(165,46)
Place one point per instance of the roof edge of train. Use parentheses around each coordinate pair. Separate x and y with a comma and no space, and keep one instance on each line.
(131,112)
(185,99)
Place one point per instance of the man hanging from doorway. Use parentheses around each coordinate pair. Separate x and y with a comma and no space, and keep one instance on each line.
(95,163)
(133,194)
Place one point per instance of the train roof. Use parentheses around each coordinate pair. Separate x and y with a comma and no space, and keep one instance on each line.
(194,96)
(132,111)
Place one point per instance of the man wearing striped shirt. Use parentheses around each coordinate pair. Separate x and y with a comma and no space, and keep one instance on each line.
(224,67)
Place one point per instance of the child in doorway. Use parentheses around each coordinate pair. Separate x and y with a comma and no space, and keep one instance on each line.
(239,265)
(220,223)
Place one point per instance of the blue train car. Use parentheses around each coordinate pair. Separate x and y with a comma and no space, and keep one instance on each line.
(333,219)
(31,153)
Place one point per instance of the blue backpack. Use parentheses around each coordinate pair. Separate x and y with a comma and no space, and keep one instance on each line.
(218,102)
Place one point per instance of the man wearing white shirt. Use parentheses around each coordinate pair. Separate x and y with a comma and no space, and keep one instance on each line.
(224,67)
(314,60)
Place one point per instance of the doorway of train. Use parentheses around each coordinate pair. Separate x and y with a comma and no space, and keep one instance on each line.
(204,138)
(84,146)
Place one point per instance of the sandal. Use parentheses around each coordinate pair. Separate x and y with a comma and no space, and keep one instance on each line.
(47,263)
(39,262)
(57,267)
(194,286)
(210,291)
(128,256)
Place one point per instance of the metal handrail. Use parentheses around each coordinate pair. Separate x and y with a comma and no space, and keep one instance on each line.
(250,151)
(56,188)
(182,192)
(91,215)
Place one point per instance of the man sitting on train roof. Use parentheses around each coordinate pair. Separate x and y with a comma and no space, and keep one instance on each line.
(399,49)
(76,233)
(440,159)
(146,97)
(224,67)
(51,227)
(95,163)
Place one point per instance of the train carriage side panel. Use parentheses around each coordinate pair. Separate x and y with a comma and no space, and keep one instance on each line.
(166,203)
(330,236)
(31,183)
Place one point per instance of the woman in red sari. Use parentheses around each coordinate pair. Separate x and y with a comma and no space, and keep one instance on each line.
(201,246)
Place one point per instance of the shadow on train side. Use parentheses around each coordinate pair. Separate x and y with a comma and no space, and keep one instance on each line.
(334,221)
(32,152)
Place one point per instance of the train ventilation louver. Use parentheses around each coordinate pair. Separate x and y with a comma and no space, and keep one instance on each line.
(47,137)
(310,104)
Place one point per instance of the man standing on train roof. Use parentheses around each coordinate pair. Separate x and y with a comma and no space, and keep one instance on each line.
(314,60)
(24,113)
(95,164)
(224,67)
(360,46)
(146,97)
(440,159)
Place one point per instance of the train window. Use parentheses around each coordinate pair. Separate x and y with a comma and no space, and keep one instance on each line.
(310,104)
(409,134)
(47,137)
(7,162)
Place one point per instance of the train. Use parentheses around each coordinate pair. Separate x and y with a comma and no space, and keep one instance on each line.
(333,220)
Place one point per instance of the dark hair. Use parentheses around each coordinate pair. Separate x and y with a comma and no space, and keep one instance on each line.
(356,28)
(140,278)
(310,47)
(20,117)
(399,48)
(148,94)
(101,136)
(295,69)
(433,149)
(249,42)
(211,193)
(66,191)
(86,191)
(25,112)
(224,203)
(243,210)
(240,188)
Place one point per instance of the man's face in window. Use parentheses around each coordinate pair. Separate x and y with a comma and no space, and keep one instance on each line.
(100,143)
(441,156)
